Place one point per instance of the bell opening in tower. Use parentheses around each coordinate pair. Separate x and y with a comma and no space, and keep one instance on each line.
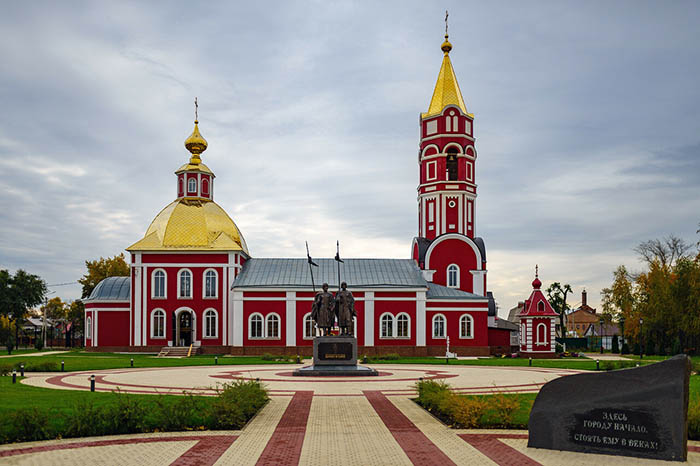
(452,174)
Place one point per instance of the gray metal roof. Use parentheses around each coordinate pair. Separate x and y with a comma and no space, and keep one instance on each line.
(358,273)
(112,289)
(436,291)
(505,324)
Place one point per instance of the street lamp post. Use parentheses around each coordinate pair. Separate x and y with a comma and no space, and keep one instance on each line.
(641,338)
(601,336)
(622,331)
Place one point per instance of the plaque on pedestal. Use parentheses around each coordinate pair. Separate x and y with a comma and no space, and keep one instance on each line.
(335,356)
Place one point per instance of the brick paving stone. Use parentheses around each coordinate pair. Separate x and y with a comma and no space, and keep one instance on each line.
(417,446)
(442,436)
(284,446)
(246,450)
(346,431)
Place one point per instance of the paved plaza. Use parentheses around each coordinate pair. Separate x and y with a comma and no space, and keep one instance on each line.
(313,421)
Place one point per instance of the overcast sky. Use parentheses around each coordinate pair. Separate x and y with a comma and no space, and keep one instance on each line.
(587,125)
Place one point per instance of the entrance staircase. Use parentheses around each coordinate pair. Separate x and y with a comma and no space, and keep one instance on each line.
(178,351)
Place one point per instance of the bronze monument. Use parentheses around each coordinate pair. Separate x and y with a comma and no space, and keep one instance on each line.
(323,310)
(345,310)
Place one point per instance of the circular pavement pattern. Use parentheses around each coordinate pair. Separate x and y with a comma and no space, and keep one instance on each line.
(279,380)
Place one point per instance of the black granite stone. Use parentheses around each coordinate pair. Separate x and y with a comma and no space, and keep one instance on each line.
(640,412)
(335,351)
(335,371)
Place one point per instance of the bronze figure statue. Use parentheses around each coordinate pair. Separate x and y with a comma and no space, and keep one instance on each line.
(323,310)
(345,310)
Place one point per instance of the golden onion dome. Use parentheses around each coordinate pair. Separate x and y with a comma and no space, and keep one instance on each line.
(196,144)
(192,225)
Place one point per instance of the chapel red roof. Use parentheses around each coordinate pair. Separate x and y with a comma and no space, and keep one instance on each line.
(533,308)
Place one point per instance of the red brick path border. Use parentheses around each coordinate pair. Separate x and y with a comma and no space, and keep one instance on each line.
(284,447)
(501,454)
(419,449)
(205,452)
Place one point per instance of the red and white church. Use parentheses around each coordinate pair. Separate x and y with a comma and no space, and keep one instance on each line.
(194,283)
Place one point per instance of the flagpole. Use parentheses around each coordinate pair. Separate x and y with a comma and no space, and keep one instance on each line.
(311,270)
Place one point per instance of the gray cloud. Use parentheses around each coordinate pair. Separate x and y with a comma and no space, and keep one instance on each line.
(586,127)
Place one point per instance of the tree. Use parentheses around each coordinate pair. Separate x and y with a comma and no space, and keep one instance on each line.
(76,317)
(55,308)
(7,330)
(665,251)
(556,294)
(615,345)
(100,269)
(18,293)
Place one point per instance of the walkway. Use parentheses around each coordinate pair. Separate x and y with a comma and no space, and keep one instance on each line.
(321,422)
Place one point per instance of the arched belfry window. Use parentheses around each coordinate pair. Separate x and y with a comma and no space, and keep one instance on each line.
(453,276)
(540,306)
(452,171)
(191,185)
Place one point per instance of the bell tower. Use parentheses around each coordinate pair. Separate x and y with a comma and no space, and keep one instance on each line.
(447,188)
(195,181)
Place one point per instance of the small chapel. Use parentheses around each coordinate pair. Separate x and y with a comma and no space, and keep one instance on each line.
(194,284)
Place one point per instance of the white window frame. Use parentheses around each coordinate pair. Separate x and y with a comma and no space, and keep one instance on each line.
(279,326)
(88,327)
(537,334)
(431,127)
(216,284)
(165,284)
(179,283)
(448,124)
(216,323)
(160,312)
(470,319)
(305,335)
(444,327)
(396,327)
(181,186)
(392,321)
(470,173)
(190,183)
(456,268)
(431,170)
(201,187)
(250,326)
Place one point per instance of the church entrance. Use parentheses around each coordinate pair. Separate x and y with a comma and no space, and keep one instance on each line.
(184,329)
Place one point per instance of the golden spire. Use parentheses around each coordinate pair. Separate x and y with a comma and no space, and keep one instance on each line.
(446,89)
(196,144)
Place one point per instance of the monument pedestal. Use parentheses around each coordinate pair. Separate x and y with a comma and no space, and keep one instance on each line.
(335,356)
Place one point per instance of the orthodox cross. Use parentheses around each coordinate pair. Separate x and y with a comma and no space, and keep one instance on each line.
(446,15)
(196,106)
(536,271)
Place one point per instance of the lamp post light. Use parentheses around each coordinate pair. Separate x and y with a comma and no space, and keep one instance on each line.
(641,338)
(601,336)
(622,331)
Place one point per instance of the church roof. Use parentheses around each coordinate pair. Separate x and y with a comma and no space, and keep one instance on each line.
(436,291)
(447,90)
(358,273)
(532,306)
(112,289)
(191,225)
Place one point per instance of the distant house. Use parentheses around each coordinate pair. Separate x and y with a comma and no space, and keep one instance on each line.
(608,332)
(579,321)
(513,314)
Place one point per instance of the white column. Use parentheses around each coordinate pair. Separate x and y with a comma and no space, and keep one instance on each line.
(224,305)
(420,318)
(291,318)
(137,302)
(369,318)
(237,319)
(478,282)
(144,310)
(94,331)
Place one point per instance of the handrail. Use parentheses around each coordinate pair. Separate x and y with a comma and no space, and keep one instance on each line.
(189,351)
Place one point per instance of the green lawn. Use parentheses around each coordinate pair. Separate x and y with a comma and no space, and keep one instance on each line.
(82,360)
(564,363)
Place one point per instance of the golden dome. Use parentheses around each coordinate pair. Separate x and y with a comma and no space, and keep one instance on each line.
(446,46)
(196,144)
(191,225)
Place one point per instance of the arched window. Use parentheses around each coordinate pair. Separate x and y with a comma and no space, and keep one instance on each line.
(211,324)
(403,326)
(255,326)
(541,334)
(453,276)
(210,284)
(184,284)
(448,124)
(158,324)
(387,326)
(452,164)
(191,185)
(205,186)
(88,328)
(466,326)
(540,306)
(273,326)
(439,326)
(309,330)
(158,285)
(180,189)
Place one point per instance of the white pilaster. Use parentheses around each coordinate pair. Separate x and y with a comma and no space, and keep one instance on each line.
(369,318)
(144,306)
(94,331)
(478,281)
(237,319)
(137,302)
(291,319)
(420,318)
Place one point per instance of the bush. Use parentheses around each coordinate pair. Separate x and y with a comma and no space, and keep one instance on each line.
(236,403)
(83,421)
(694,418)
(466,411)
(389,357)
(625,348)
(505,407)
(43,366)
(29,424)
(39,344)
(615,344)
(173,414)
(676,348)
(558,348)
(126,416)
(6,369)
